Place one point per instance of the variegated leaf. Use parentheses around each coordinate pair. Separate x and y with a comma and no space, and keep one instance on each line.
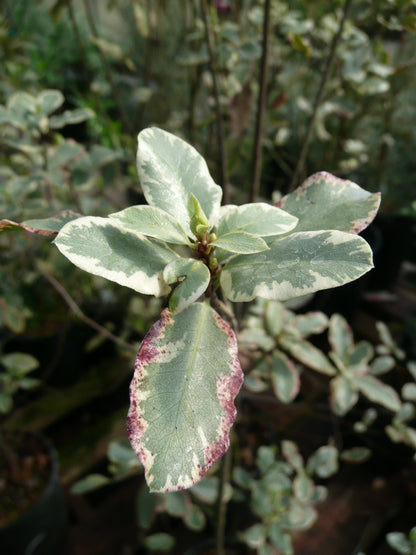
(343,395)
(323,462)
(310,323)
(297,264)
(153,222)
(240,242)
(170,170)
(193,277)
(50,100)
(340,336)
(258,218)
(182,396)
(360,356)
(381,365)
(46,226)
(378,392)
(274,315)
(324,201)
(284,377)
(100,246)
(306,353)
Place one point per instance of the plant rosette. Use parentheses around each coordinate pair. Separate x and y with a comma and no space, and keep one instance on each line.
(204,256)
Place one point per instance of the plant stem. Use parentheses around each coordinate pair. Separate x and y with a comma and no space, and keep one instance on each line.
(77,34)
(261,105)
(220,130)
(77,310)
(319,97)
(221,504)
(116,96)
(224,309)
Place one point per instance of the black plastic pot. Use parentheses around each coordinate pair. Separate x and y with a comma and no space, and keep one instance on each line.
(42,528)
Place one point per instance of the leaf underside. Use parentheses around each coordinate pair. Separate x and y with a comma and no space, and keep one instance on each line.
(45,226)
(186,377)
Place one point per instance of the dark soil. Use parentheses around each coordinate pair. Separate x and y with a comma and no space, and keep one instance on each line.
(25,469)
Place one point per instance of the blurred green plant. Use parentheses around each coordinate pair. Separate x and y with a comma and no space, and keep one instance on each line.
(405,545)
(284,496)
(14,376)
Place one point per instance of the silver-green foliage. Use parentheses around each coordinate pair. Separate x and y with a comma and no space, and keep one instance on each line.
(285,494)
(186,245)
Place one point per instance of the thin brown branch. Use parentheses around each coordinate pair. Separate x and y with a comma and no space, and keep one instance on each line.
(220,128)
(78,312)
(78,39)
(107,70)
(319,97)
(225,471)
(261,105)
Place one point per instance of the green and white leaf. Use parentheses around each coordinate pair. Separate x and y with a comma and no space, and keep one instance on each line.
(258,218)
(291,453)
(301,517)
(274,315)
(100,246)
(381,365)
(284,377)
(324,462)
(310,323)
(193,277)
(303,487)
(255,536)
(182,396)
(170,170)
(240,242)
(356,454)
(326,200)
(45,226)
(307,354)
(280,539)
(89,483)
(409,392)
(340,336)
(19,364)
(297,264)
(343,395)
(360,356)
(53,224)
(70,117)
(195,518)
(152,222)
(378,392)
(50,100)
(159,542)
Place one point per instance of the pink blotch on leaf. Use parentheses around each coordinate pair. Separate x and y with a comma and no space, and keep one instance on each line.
(149,352)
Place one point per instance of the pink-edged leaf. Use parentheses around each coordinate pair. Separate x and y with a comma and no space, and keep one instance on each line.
(46,226)
(324,201)
(187,375)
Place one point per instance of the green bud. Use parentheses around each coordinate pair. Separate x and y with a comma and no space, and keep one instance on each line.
(199,223)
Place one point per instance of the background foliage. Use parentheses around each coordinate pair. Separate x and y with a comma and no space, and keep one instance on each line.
(113,68)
